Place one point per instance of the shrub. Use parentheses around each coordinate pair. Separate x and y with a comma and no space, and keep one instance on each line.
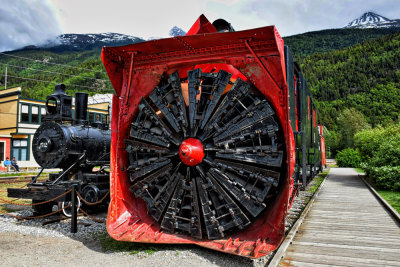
(348,157)
(386,177)
(380,149)
(380,146)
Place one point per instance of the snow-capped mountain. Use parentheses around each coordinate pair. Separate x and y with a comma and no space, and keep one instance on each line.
(176,31)
(98,38)
(373,20)
(80,42)
(91,41)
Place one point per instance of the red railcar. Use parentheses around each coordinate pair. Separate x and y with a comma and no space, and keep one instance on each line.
(203,150)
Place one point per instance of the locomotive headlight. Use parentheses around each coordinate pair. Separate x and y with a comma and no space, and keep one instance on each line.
(53,105)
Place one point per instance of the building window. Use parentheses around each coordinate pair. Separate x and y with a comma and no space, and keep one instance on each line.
(97,117)
(105,119)
(91,117)
(35,114)
(20,149)
(24,113)
(43,113)
(2,151)
(32,113)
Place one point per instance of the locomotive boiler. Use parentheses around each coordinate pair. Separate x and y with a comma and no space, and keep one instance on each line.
(213,133)
(80,148)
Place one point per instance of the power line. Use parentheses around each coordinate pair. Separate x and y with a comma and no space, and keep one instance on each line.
(21,67)
(43,62)
(75,85)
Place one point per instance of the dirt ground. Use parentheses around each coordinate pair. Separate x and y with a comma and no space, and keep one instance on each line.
(28,250)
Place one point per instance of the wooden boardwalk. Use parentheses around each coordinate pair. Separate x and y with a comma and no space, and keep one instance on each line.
(346,226)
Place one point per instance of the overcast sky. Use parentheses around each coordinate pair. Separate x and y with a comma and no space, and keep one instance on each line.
(24,22)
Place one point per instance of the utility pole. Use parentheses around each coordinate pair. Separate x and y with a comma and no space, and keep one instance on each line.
(5,80)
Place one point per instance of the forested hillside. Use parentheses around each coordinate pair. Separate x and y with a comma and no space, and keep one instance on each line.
(365,77)
(308,43)
(37,71)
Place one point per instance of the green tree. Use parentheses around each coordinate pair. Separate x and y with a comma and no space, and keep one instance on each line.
(351,121)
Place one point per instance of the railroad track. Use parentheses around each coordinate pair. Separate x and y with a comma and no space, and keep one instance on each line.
(16,179)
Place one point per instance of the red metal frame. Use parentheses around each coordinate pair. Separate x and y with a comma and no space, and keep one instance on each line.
(323,153)
(254,55)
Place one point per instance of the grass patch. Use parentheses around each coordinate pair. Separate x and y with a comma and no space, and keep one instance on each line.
(3,195)
(17,174)
(22,174)
(359,170)
(109,244)
(392,197)
(317,181)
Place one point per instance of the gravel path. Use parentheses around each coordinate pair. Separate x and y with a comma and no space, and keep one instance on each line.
(29,243)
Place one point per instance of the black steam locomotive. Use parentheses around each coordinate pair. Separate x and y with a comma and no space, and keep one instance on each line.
(80,148)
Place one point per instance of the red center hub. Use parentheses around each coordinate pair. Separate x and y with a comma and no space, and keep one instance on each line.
(191,151)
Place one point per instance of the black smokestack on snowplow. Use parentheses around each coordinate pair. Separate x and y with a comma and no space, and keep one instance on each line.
(223,26)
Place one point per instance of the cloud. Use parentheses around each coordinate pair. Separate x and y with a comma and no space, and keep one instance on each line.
(26,22)
(298,16)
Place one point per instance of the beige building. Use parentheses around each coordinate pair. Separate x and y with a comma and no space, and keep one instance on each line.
(19,119)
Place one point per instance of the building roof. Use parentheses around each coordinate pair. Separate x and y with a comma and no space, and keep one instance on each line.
(10,91)
(100,98)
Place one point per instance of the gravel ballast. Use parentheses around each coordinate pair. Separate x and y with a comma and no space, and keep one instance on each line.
(30,243)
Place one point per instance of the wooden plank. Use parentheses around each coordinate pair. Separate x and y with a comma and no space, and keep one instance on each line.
(346,246)
(286,263)
(337,238)
(346,232)
(345,252)
(346,226)
(351,229)
(293,258)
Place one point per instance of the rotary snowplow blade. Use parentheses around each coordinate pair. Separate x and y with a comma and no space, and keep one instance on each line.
(181,170)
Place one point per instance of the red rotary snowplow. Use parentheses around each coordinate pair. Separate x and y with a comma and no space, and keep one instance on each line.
(202,151)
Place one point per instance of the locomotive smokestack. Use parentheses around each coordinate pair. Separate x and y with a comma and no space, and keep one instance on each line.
(81,104)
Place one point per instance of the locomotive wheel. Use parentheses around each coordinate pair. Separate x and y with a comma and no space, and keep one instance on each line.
(208,167)
(91,193)
(67,211)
